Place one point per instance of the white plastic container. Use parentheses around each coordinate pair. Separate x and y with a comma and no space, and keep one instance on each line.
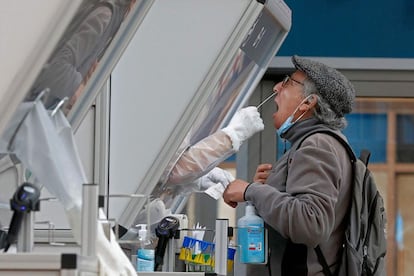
(251,237)
(146,250)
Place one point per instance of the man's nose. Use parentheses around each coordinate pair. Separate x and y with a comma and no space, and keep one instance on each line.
(278,87)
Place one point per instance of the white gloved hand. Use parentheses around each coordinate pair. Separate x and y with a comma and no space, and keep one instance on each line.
(244,124)
(215,176)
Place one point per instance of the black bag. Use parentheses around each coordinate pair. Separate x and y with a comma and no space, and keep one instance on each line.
(365,242)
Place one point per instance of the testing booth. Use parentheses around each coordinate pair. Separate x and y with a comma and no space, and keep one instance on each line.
(99,99)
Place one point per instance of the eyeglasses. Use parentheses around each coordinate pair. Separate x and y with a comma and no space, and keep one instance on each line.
(289,78)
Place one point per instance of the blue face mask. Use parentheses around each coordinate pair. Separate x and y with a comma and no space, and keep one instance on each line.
(288,123)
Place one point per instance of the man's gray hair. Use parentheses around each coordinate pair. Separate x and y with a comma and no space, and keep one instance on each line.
(322,110)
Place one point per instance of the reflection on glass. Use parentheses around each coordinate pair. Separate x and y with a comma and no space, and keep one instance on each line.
(79,51)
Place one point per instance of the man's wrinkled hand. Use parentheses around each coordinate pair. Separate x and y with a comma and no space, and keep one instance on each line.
(262,173)
(234,192)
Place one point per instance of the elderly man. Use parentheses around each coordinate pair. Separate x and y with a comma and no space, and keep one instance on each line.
(304,197)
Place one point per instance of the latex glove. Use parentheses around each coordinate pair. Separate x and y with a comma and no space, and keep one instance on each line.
(215,176)
(214,183)
(244,124)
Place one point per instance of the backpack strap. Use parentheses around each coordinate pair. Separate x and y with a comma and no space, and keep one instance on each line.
(335,135)
(364,157)
(322,261)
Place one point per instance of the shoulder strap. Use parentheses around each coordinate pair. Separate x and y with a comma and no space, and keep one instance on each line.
(322,261)
(365,154)
(335,135)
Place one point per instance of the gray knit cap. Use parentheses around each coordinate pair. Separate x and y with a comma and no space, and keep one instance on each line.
(332,85)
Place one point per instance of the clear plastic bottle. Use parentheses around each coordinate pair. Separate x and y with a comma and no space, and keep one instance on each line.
(146,250)
(251,237)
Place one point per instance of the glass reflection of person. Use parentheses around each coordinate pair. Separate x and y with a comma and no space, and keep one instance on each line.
(77,56)
(104,22)
(72,63)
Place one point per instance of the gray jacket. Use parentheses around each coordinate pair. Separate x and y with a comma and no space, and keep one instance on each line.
(305,202)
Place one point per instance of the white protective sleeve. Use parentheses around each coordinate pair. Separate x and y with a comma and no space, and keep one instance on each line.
(202,158)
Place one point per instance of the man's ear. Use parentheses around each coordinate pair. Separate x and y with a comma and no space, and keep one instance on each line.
(312,100)
(309,103)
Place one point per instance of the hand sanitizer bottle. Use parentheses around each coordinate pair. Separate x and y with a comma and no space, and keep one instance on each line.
(146,251)
(251,238)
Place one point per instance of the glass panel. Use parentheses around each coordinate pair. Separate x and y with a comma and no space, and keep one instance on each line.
(227,92)
(368,131)
(236,83)
(405,138)
(225,98)
(246,65)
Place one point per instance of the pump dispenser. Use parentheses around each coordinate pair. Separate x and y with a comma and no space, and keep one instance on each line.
(146,251)
(251,238)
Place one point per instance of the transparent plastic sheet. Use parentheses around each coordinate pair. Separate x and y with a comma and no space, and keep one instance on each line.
(45,145)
